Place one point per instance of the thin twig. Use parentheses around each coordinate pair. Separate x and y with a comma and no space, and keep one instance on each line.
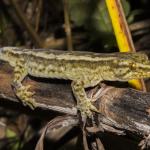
(100,145)
(140,25)
(38,16)
(26,24)
(67,26)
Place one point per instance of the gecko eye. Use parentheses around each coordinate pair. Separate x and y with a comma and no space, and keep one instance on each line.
(132,65)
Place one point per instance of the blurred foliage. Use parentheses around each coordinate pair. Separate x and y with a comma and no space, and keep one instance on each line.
(93,15)
(83,12)
(89,16)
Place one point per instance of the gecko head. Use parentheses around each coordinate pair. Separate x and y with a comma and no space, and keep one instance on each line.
(131,66)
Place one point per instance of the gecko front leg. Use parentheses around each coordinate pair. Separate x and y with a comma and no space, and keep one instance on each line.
(21,91)
(83,103)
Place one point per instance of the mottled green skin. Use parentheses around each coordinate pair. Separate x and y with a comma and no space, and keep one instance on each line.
(84,69)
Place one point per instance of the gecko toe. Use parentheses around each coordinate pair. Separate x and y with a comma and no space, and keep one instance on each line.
(86,108)
(26,96)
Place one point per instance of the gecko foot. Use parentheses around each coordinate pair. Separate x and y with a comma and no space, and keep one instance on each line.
(25,96)
(86,108)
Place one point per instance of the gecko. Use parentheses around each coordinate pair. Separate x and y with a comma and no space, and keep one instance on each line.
(84,69)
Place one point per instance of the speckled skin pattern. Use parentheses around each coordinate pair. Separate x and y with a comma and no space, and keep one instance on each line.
(85,69)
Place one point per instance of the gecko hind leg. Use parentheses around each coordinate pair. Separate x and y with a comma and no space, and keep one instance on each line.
(21,91)
(83,103)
